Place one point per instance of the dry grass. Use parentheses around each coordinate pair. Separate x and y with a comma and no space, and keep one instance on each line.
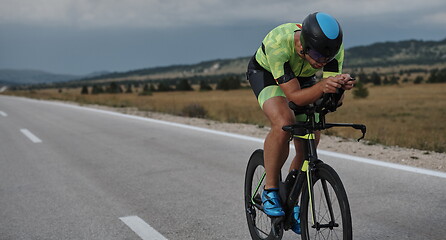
(407,115)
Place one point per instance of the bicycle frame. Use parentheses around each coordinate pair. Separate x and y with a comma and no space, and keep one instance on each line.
(311,158)
(307,168)
(291,189)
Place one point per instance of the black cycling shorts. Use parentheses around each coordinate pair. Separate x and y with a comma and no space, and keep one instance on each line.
(265,86)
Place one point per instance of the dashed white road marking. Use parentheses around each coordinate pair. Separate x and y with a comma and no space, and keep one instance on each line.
(3,114)
(30,135)
(141,228)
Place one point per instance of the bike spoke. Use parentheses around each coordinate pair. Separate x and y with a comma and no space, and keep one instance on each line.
(259,223)
(329,216)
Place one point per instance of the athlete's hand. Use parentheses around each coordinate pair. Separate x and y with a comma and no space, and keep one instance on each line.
(348,81)
(331,84)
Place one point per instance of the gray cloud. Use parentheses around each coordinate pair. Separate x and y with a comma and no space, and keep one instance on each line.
(81,36)
(171,13)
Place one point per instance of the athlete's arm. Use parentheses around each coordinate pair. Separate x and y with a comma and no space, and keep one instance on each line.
(305,96)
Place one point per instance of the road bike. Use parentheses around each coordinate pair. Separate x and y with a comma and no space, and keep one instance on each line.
(324,207)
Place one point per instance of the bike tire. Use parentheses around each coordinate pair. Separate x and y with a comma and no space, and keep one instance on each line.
(259,224)
(339,202)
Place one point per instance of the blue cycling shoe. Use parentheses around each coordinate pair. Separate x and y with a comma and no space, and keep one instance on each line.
(271,203)
(296,223)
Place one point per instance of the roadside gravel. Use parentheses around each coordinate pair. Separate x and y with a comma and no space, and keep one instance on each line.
(412,157)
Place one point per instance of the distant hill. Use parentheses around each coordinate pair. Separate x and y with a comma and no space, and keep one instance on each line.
(385,54)
(397,53)
(20,77)
(206,68)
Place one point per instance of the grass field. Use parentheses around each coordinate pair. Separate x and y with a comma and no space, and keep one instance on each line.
(412,116)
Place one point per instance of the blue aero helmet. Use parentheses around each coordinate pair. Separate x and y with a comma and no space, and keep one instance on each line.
(321,37)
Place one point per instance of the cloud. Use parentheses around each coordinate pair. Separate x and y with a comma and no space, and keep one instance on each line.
(171,13)
(435,18)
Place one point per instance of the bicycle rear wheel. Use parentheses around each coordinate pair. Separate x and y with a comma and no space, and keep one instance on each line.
(331,207)
(259,224)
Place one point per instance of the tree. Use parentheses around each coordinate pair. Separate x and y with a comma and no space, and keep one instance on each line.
(204,86)
(152,87)
(114,88)
(146,88)
(360,90)
(375,78)
(162,87)
(84,90)
(363,77)
(146,91)
(437,76)
(183,85)
(97,89)
(129,88)
(394,80)
(229,83)
(418,80)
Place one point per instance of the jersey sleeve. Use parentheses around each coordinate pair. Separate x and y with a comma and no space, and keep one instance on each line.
(334,67)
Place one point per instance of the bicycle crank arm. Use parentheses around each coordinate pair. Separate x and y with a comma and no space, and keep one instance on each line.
(276,227)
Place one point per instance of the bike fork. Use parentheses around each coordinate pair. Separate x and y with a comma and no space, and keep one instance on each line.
(316,224)
(330,207)
(308,169)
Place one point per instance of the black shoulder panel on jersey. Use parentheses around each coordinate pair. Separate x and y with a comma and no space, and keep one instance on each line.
(288,74)
(332,66)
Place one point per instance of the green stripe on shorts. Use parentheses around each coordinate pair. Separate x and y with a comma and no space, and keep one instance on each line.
(276,91)
(303,117)
(269,92)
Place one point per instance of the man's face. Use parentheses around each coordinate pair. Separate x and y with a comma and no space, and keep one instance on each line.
(313,62)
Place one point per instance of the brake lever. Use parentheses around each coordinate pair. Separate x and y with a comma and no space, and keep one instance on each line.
(363,129)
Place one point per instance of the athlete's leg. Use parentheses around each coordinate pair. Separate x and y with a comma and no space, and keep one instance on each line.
(276,146)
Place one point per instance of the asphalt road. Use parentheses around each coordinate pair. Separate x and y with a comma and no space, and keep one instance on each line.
(69,172)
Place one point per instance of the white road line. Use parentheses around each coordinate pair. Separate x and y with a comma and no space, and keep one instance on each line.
(259,140)
(254,139)
(383,164)
(142,229)
(30,135)
(3,114)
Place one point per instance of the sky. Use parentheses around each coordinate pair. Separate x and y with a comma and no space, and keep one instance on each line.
(84,36)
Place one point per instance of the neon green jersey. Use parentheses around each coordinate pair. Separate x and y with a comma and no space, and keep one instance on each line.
(278,49)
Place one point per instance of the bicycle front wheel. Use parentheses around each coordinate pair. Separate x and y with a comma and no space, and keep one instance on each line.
(332,218)
(259,224)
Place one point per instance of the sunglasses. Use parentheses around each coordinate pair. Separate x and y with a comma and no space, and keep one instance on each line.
(318,57)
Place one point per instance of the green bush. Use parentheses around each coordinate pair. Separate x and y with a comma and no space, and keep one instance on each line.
(204,86)
(360,90)
(194,110)
(84,90)
(229,83)
(184,85)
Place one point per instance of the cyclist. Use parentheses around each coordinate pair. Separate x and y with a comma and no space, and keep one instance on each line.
(283,69)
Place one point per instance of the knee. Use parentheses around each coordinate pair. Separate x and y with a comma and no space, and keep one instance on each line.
(277,125)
